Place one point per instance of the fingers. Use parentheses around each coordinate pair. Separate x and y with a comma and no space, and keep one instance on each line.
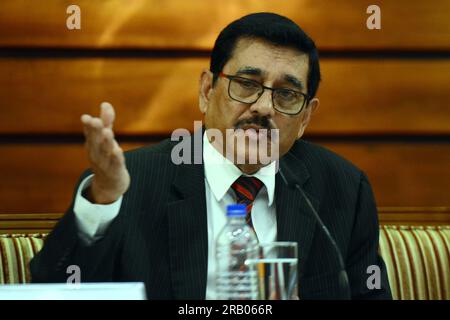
(110,148)
(96,129)
(103,149)
(100,143)
(109,155)
(106,142)
(93,126)
(117,156)
(107,114)
(105,156)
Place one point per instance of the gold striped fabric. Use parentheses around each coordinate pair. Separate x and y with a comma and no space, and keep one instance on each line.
(16,252)
(417,260)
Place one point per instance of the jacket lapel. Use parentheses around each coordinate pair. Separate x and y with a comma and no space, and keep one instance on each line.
(295,221)
(188,238)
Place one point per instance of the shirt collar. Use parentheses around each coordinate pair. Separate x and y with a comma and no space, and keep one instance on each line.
(220,172)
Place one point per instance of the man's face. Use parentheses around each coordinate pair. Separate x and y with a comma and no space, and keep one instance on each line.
(272,66)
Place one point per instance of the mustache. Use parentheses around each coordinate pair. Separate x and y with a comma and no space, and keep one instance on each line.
(263,122)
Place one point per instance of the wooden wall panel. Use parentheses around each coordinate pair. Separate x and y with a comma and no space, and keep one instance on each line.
(420,216)
(195,24)
(29,223)
(402,174)
(38,177)
(41,177)
(155,96)
(26,223)
(151,96)
(154,83)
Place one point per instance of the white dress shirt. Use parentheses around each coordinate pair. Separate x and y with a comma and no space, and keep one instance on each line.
(220,173)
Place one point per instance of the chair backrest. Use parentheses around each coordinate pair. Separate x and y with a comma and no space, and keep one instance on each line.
(417,259)
(16,251)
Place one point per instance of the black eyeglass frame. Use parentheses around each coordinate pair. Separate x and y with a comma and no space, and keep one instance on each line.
(231,77)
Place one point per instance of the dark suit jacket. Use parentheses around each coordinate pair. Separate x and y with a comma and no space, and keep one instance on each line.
(160,234)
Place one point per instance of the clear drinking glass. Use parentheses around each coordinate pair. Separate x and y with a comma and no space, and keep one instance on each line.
(277,271)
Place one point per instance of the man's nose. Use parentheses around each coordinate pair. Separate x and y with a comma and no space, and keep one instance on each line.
(264,105)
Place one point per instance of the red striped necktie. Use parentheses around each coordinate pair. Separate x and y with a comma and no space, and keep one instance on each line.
(246,189)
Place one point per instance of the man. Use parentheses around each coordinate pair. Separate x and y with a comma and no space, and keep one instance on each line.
(140,217)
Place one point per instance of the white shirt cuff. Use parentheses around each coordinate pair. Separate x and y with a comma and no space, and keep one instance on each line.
(93,219)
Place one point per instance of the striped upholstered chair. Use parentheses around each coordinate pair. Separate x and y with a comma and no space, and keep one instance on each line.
(16,251)
(417,259)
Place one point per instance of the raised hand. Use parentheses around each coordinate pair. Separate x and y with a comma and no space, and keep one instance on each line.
(111,178)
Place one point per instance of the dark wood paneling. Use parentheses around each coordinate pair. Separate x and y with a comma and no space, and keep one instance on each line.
(26,223)
(414,215)
(195,24)
(402,174)
(155,96)
(49,95)
(41,177)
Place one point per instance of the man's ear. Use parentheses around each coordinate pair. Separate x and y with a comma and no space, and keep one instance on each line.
(205,88)
(313,104)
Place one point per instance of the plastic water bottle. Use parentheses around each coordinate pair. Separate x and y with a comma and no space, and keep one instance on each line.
(236,246)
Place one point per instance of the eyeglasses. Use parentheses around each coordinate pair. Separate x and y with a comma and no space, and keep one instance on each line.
(248,91)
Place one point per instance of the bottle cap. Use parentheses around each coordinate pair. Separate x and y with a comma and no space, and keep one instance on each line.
(236,210)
